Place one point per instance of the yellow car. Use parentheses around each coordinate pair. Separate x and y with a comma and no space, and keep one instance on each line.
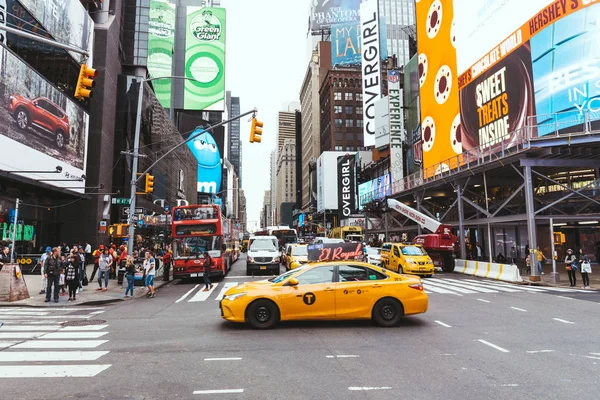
(297,256)
(326,291)
(406,258)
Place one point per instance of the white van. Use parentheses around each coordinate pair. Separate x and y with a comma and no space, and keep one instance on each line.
(263,255)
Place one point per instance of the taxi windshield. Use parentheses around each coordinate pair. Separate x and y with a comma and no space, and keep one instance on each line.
(285,275)
(300,251)
(413,251)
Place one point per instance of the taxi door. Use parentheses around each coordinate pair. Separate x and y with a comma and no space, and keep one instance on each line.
(357,290)
(312,298)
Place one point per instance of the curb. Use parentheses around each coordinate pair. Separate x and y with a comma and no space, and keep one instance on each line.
(85,303)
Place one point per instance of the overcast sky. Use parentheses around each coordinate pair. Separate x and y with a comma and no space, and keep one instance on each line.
(266,63)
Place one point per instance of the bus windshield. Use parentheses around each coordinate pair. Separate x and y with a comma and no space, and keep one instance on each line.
(285,236)
(194,247)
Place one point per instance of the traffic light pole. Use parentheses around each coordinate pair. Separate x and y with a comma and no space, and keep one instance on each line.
(136,153)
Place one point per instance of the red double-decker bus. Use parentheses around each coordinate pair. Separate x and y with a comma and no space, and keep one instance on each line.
(198,228)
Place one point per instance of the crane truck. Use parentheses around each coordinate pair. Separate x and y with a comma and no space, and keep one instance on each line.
(439,244)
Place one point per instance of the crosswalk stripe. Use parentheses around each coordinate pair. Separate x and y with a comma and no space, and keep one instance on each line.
(73,335)
(202,295)
(56,344)
(226,287)
(85,328)
(28,356)
(436,289)
(4,345)
(456,289)
(55,371)
(494,284)
(477,288)
(502,289)
(23,313)
(65,317)
(20,335)
(37,328)
(187,294)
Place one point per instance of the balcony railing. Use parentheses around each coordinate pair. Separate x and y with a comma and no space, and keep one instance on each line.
(539,127)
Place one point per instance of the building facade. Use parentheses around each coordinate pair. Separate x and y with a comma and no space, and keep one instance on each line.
(399,15)
(235,146)
(243,215)
(285,176)
(341,111)
(273,185)
(286,127)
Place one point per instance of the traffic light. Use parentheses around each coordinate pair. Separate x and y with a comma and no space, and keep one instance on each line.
(256,131)
(85,82)
(149,184)
(118,230)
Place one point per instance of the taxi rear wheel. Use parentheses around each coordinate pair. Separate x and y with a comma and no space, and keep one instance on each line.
(387,312)
(262,314)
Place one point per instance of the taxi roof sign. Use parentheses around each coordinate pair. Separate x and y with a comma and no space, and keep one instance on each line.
(334,251)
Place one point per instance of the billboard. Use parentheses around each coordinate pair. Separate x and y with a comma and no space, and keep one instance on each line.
(530,63)
(66,20)
(161,42)
(205,59)
(346,171)
(397,132)
(375,189)
(325,13)
(371,66)
(346,41)
(41,128)
(382,122)
(327,187)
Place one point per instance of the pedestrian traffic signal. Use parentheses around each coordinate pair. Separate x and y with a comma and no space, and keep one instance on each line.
(256,131)
(85,83)
(118,230)
(149,184)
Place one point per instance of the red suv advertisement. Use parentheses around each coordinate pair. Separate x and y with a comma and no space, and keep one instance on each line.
(42,114)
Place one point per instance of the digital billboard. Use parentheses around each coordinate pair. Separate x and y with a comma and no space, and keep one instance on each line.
(161,40)
(346,43)
(325,13)
(507,65)
(66,20)
(205,59)
(375,189)
(346,172)
(41,128)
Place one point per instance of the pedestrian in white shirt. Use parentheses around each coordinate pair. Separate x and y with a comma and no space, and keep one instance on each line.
(150,268)
(43,269)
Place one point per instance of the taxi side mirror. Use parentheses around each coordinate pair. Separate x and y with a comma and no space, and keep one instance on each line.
(293,282)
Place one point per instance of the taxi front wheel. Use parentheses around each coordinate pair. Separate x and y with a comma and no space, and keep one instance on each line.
(262,314)
(387,312)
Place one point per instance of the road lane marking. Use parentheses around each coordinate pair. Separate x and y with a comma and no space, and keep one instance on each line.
(187,294)
(23,313)
(64,317)
(370,388)
(28,356)
(493,346)
(565,297)
(518,309)
(20,335)
(247,277)
(219,391)
(539,351)
(4,345)
(223,359)
(37,328)
(443,324)
(347,356)
(201,295)
(595,354)
(484,301)
(73,335)
(226,287)
(85,328)
(59,344)
(564,321)
(54,371)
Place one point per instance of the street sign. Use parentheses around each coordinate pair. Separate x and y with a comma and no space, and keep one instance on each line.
(124,201)
(167,209)
(138,210)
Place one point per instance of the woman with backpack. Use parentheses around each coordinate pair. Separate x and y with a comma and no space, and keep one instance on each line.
(207,262)
(571,260)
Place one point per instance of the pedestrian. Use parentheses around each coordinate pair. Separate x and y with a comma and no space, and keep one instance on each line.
(97,253)
(541,258)
(150,270)
(4,256)
(43,259)
(129,275)
(571,259)
(513,255)
(61,280)
(88,252)
(52,273)
(586,268)
(82,266)
(72,276)
(479,253)
(115,256)
(104,264)
(207,262)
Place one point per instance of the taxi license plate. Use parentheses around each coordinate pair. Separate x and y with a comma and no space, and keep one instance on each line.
(422,269)
(263,267)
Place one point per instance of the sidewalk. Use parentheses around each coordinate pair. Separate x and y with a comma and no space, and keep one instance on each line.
(89,296)
(564,277)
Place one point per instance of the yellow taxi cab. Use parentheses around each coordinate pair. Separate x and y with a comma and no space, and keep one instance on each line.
(297,256)
(340,290)
(407,258)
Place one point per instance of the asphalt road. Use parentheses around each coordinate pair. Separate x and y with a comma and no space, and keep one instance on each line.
(477,341)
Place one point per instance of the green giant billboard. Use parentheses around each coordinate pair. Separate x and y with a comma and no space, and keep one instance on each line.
(161,39)
(205,59)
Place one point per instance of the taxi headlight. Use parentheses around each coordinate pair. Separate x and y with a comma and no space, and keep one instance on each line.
(429,262)
(411,262)
(234,296)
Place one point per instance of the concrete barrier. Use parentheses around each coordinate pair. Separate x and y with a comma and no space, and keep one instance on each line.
(499,272)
